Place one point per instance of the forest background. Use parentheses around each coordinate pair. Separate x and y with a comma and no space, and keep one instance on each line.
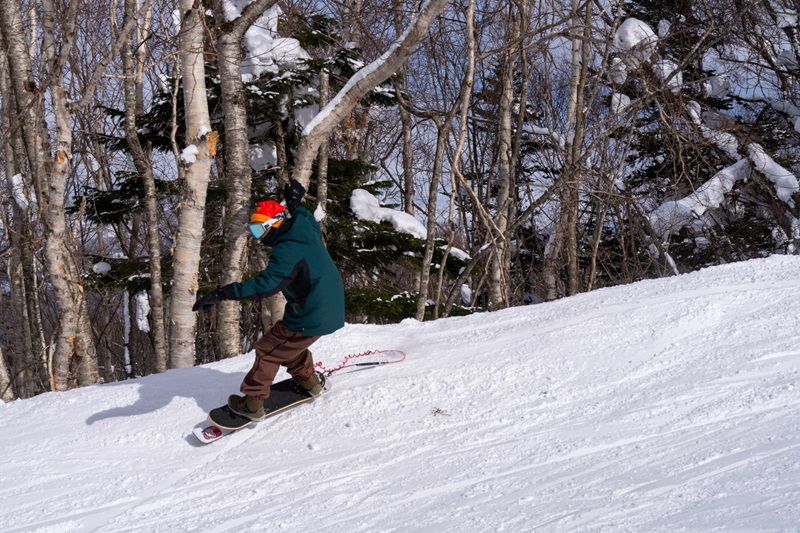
(461,157)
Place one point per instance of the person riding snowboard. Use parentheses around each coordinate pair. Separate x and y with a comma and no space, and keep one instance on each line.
(301,268)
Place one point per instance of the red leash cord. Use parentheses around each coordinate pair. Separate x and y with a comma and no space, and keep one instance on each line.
(350,357)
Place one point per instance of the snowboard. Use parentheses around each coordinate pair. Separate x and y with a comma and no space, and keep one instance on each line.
(283,396)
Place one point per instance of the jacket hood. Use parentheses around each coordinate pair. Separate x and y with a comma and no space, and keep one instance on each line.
(293,229)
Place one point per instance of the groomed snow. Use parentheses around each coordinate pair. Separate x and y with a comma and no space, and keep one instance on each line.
(662,406)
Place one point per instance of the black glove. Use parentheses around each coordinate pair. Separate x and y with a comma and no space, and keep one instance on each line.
(293,193)
(212,298)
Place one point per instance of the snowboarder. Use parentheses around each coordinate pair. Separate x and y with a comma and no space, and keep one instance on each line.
(301,268)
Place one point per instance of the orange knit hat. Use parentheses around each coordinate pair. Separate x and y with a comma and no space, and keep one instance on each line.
(266,210)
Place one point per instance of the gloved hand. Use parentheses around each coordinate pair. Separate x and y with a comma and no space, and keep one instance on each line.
(293,193)
(212,298)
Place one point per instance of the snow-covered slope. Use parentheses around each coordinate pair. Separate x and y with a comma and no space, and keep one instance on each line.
(663,406)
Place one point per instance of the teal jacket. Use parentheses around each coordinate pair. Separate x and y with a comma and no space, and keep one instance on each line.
(301,268)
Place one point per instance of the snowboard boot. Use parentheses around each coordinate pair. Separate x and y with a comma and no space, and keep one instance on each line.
(314,384)
(247,406)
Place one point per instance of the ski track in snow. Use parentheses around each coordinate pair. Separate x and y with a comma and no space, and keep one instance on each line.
(667,405)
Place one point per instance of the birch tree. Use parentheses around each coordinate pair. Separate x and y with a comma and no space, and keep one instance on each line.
(201,147)
(444,123)
(6,385)
(74,350)
(237,164)
(406,125)
(143,163)
(499,269)
(27,343)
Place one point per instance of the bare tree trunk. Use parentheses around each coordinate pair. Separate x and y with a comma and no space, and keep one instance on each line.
(443,127)
(499,268)
(322,159)
(273,310)
(455,166)
(564,238)
(27,346)
(600,215)
(552,266)
(186,260)
(406,124)
(6,387)
(577,116)
(142,162)
(238,173)
(74,334)
(281,155)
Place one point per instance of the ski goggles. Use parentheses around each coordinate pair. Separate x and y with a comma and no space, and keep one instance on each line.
(259,229)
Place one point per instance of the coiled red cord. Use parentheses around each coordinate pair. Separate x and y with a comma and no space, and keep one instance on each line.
(350,357)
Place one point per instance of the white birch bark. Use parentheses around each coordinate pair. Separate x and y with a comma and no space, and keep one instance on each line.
(499,271)
(74,352)
(406,125)
(186,259)
(322,159)
(237,166)
(26,348)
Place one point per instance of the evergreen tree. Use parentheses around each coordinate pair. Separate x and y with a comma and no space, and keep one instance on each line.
(673,155)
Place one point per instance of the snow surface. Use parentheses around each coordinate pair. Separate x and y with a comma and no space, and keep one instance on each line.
(663,406)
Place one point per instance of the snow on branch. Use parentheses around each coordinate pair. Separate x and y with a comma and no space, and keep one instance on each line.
(367,207)
(557,138)
(360,84)
(785,182)
(673,215)
(635,41)
(726,142)
(379,70)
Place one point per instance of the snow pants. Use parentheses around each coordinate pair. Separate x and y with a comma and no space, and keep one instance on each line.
(278,347)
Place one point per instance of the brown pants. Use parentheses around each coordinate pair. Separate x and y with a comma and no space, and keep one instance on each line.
(277,347)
